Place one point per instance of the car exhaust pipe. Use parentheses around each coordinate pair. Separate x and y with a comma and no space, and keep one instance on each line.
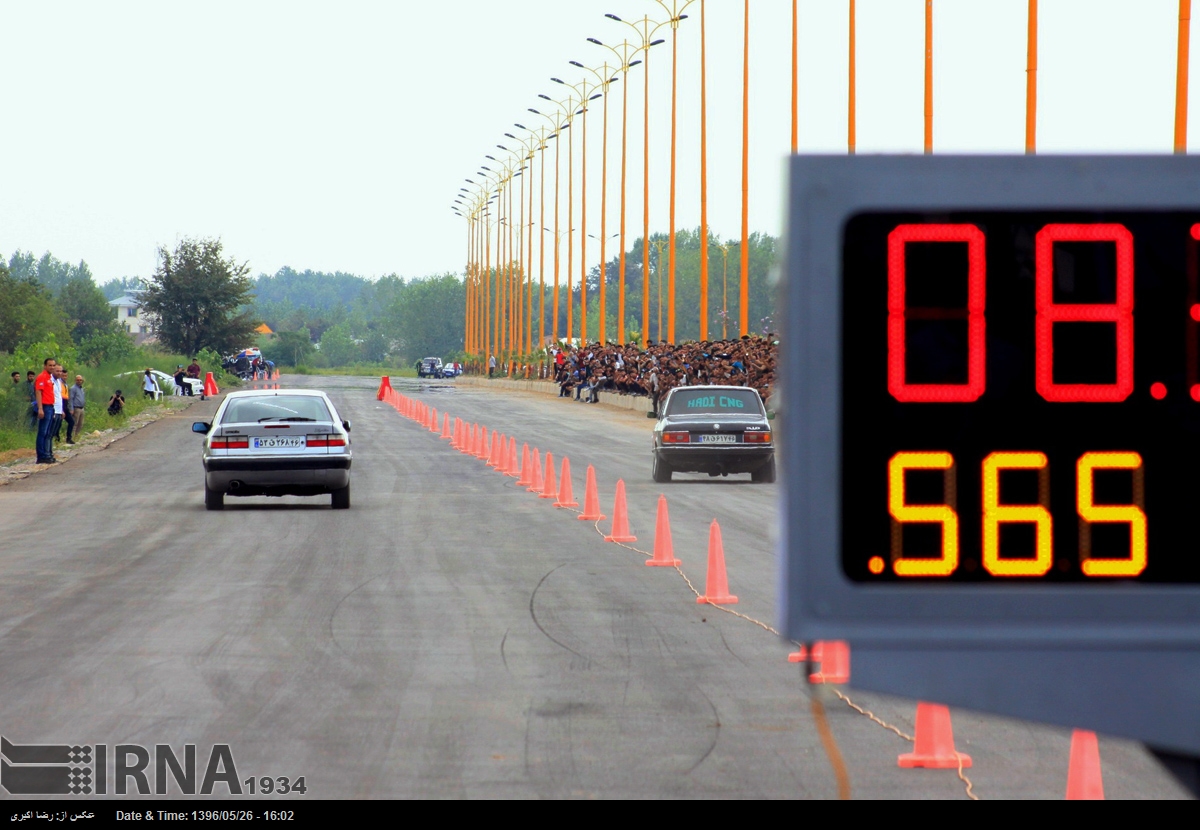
(235,485)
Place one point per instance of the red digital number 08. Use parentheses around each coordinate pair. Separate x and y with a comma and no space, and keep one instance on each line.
(898,383)
(1049,313)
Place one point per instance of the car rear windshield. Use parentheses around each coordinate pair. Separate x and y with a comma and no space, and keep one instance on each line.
(276,408)
(738,401)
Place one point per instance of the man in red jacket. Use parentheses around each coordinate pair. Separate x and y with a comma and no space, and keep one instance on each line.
(43,388)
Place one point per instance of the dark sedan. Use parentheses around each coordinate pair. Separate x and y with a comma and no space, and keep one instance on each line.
(716,430)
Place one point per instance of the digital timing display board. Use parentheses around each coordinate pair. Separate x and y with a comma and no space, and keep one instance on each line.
(989,421)
(1020,396)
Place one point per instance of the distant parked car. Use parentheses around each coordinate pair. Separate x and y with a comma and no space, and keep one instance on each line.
(430,367)
(451,369)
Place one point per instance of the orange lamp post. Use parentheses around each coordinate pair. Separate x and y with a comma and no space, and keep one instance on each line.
(560,120)
(646,30)
(851,103)
(1031,81)
(928,76)
(1181,76)
(744,296)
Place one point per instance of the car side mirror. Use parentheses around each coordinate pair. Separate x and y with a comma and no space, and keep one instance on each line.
(346,425)
(652,416)
(201,428)
(770,415)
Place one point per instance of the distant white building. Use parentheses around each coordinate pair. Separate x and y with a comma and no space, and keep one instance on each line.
(129,317)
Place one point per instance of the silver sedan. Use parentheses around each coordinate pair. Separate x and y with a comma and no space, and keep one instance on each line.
(280,443)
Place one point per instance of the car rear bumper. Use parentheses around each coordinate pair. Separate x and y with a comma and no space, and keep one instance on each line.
(715,459)
(277,476)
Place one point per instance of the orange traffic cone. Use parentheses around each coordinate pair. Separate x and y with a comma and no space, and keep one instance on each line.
(834,657)
(1084,782)
(513,470)
(591,499)
(446,436)
(566,498)
(933,746)
(620,526)
(210,386)
(538,484)
(716,587)
(482,452)
(473,440)
(385,383)
(664,549)
(502,461)
(526,478)
(549,488)
(433,419)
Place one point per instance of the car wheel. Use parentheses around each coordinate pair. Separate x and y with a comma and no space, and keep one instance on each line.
(214,499)
(660,471)
(764,474)
(341,498)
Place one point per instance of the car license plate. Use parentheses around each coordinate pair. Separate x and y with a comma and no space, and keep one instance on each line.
(718,439)
(278,443)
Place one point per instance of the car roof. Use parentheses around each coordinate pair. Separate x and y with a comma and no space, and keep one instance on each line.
(714,386)
(260,393)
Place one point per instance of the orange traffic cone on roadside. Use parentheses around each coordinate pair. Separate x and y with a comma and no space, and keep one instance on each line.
(549,488)
(538,483)
(1084,781)
(716,586)
(834,657)
(513,470)
(210,386)
(526,478)
(565,497)
(385,384)
(620,525)
(483,444)
(473,440)
(496,450)
(433,420)
(933,744)
(664,548)
(446,427)
(591,499)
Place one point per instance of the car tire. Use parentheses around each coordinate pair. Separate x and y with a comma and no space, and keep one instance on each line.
(341,498)
(660,471)
(764,474)
(213,499)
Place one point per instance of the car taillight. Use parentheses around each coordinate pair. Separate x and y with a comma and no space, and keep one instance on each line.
(757,437)
(676,437)
(231,444)
(326,441)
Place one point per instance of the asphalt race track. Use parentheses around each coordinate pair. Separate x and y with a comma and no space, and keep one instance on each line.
(451,635)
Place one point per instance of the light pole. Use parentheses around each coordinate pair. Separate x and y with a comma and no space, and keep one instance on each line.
(660,245)
(724,290)
(561,120)
(586,91)
(625,53)
(541,135)
(646,29)
(606,78)
(675,11)
(744,309)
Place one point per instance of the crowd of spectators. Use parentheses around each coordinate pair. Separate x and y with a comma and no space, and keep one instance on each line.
(630,370)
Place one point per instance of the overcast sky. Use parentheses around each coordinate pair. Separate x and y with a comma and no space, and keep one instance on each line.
(334,136)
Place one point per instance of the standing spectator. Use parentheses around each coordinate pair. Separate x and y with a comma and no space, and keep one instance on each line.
(16,379)
(61,404)
(149,385)
(491,366)
(31,396)
(44,391)
(78,401)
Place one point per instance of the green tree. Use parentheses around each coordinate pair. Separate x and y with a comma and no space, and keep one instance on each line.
(338,346)
(426,318)
(85,309)
(196,298)
(27,313)
(294,347)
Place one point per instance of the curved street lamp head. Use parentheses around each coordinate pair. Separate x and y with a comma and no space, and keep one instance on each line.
(593,40)
(577,63)
(557,81)
(614,17)
(520,127)
(658,42)
(546,97)
(493,158)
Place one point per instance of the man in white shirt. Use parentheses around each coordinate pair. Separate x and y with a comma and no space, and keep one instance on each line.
(60,393)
